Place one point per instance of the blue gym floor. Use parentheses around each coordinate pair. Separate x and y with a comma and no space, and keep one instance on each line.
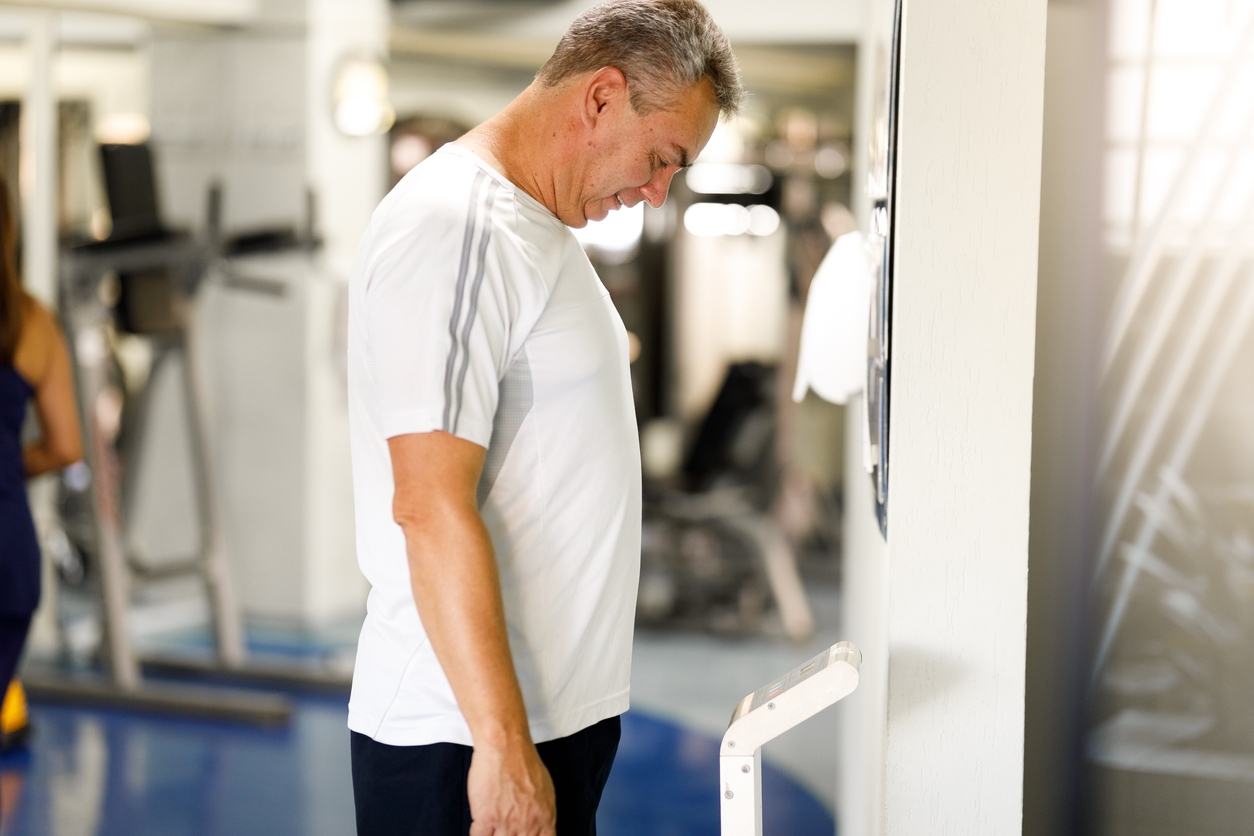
(113,773)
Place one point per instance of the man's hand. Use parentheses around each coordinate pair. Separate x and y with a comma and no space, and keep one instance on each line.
(453,574)
(510,792)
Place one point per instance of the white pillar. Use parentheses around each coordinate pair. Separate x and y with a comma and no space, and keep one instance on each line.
(38,190)
(968,198)
(347,176)
(39,168)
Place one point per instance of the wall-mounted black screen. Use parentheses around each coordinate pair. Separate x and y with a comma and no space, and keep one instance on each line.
(132,191)
(883,179)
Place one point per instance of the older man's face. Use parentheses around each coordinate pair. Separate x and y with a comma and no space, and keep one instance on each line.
(638,155)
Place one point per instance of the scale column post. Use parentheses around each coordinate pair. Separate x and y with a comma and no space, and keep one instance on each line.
(768,712)
(740,779)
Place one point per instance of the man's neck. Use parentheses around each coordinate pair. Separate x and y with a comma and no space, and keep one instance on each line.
(524,143)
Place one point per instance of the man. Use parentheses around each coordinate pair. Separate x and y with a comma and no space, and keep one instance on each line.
(496,464)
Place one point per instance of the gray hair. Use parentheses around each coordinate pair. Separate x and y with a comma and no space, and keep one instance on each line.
(663,47)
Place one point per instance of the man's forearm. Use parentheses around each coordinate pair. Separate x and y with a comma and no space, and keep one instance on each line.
(456,587)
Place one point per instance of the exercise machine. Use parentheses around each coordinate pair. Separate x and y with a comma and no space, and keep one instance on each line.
(165,270)
(142,283)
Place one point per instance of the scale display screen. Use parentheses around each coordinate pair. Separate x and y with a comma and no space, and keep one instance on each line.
(776,687)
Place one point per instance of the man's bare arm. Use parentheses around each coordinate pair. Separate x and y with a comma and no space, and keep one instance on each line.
(454,579)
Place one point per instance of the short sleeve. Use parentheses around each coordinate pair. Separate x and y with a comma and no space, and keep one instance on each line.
(444,304)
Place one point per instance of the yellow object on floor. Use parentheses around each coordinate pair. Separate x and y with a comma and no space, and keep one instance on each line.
(13,717)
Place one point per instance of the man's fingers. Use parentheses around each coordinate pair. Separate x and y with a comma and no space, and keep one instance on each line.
(528,826)
(478,828)
(511,793)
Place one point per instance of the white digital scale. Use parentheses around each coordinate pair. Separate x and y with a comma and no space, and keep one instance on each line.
(769,712)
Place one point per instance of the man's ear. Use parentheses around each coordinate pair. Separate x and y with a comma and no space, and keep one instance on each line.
(605,90)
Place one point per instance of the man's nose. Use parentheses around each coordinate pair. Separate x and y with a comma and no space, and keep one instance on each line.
(655,190)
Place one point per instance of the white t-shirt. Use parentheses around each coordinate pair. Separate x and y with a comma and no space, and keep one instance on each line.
(474,310)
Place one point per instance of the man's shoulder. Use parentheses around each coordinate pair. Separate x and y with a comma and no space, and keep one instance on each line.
(444,183)
(449,192)
(451,199)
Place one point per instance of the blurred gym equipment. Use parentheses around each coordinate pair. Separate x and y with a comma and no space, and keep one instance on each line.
(140,283)
(712,556)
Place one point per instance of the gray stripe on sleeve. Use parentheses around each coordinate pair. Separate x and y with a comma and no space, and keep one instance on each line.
(463,269)
(511,408)
(484,238)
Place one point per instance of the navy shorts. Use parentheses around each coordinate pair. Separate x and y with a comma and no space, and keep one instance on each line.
(421,790)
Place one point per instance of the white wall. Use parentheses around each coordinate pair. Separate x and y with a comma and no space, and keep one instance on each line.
(864,592)
(230,107)
(465,94)
(258,386)
(216,12)
(946,597)
(972,79)
(281,440)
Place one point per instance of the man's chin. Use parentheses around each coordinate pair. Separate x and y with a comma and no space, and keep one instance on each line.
(597,213)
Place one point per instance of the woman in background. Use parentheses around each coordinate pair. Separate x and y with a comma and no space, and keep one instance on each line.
(34,364)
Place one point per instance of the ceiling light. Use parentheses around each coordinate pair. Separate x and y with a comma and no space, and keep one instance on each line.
(712,219)
(728,178)
(123,129)
(709,220)
(763,220)
(360,98)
